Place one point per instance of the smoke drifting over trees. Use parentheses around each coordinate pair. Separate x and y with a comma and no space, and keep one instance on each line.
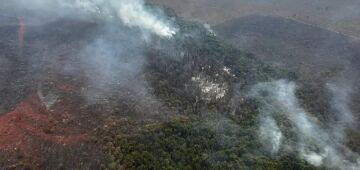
(158,92)
(316,145)
(131,13)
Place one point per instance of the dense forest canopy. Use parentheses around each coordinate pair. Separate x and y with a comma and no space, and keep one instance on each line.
(131,85)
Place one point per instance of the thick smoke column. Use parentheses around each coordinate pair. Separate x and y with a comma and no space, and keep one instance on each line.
(133,13)
(112,58)
(316,145)
(270,133)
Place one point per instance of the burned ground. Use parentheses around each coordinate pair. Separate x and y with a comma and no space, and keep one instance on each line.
(49,132)
(192,96)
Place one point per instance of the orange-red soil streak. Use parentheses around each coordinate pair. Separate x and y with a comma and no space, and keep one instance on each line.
(29,122)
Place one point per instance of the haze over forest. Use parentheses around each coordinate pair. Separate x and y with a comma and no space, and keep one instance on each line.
(180,84)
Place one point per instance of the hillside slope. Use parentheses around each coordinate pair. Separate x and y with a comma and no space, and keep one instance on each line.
(111,97)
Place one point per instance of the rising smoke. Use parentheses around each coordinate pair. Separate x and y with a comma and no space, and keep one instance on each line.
(270,132)
(313,143)
(112,58)
(341,99)
(116,62)
(133,13)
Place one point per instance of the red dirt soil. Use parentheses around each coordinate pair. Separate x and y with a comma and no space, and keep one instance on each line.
(35,135)
(31,122)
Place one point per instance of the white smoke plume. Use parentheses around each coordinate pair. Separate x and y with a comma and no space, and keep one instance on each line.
(316,145)
(270,132)
(209,29)
(111,58)
(133,13)
(341,102)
